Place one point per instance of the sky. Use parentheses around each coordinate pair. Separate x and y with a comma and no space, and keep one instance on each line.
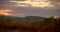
(44,8)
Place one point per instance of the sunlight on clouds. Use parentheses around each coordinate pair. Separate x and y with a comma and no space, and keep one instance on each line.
(33,3)
(9,13)
(41,4)
(5,12)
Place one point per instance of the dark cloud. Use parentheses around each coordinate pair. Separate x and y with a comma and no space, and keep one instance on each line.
(55,0)
(20,0)
(4,1)
(56,3)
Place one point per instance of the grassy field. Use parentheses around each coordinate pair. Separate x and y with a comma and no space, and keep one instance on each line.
(14,25)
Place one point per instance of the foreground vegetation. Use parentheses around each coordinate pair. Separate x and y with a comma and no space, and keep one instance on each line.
(23,25)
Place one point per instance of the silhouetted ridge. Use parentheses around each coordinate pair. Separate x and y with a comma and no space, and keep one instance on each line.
(35,18)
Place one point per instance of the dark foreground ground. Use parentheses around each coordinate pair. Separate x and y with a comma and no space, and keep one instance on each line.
(13,25)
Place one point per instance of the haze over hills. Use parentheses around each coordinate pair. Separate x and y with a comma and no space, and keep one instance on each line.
(27,17)
(35,17)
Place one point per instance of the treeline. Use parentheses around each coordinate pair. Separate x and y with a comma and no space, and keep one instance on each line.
(23,25)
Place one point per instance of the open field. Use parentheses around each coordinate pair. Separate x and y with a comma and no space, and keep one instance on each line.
(24,25)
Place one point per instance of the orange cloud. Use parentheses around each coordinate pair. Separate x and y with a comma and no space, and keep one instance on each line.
(5,12)
(9,13)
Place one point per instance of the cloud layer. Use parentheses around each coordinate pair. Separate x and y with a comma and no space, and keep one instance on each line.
(27,8)
(32,3)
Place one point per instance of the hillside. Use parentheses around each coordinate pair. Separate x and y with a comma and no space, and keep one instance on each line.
(34,18)
(18,24)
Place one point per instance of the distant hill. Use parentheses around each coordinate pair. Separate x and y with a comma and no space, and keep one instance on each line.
(3,16)
(27,17)
(34,18)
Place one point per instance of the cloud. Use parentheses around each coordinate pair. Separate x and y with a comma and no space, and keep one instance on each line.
(29,11)
(9,13)
(29,3)
(5,12)
(22,9)
(36,11)
(38,3)
(20,0)
(54,1)
(21,15)
(4,1)
(32,3)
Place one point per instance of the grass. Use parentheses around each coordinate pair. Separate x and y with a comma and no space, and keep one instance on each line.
(47,25)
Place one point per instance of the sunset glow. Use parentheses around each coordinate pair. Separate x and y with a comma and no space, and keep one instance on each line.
(44,8)
(5,12)
(9,13)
